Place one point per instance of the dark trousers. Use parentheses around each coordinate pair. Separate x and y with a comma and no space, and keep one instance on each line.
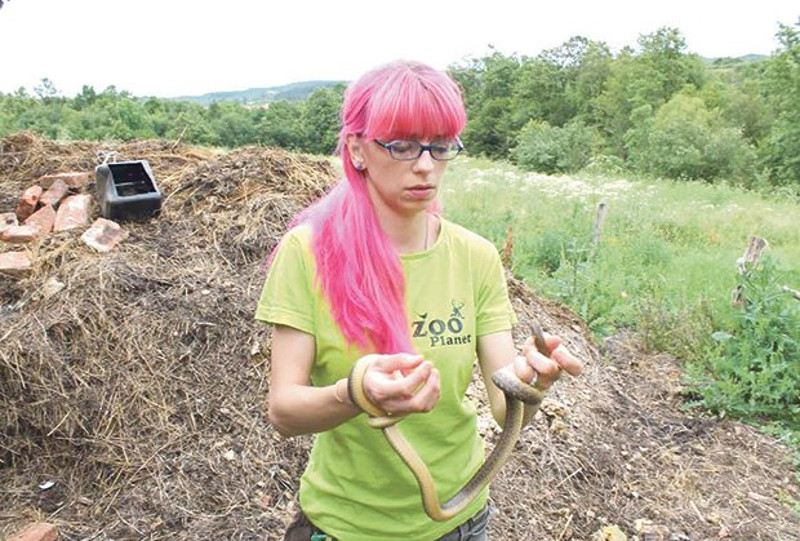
(475,529)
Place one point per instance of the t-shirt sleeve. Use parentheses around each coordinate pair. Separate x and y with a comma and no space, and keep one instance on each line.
(287,295)
(494,309)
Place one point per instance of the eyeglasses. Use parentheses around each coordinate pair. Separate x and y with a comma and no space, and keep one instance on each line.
(407,151)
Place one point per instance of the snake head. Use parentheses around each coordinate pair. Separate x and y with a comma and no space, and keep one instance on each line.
(538,339)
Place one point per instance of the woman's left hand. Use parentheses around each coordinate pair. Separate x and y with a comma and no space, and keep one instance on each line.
(542,370)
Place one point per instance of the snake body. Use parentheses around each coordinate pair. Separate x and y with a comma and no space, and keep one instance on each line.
(517,393)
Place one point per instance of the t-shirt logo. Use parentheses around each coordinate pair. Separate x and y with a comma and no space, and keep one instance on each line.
(442,331)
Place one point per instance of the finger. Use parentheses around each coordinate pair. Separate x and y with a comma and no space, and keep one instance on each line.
(428,395)
(402,362)
(413,382)
(424,399)
(559,353)
(552,342)
(523,370)
(386,386)
(547,370)
(567,361)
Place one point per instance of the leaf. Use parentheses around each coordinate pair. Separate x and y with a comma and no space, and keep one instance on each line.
(721,336)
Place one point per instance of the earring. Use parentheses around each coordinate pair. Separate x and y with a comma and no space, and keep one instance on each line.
(359,166)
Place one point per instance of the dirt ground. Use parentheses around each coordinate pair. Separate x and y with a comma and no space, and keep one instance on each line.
(132,398)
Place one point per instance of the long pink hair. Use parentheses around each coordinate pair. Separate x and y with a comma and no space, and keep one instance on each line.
(357,267)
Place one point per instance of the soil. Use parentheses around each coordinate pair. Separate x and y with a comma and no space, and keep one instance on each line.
(132,399)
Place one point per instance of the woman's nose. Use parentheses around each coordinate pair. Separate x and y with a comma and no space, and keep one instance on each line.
(425,161)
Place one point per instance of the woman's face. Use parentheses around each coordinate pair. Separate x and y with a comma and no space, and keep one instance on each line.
(402,187)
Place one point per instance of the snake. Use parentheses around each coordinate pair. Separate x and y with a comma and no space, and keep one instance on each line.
(517,394)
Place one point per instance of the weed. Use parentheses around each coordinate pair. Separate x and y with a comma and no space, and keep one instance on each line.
(752,367)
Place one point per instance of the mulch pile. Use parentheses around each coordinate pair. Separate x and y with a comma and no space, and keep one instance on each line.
(132,401)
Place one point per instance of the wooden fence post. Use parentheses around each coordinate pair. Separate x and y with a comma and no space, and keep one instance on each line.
(750,259)
(602,208)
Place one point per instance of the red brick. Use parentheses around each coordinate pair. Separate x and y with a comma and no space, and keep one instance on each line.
(39,531)
(104,235)
(75,179)
(54,193)
(73,212)
(44,218)
(7,219)
(18,234)
(15,263)
(27,202)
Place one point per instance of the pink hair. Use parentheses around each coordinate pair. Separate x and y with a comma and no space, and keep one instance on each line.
(357,266)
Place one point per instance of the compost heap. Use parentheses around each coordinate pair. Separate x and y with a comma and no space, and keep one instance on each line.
(133,398)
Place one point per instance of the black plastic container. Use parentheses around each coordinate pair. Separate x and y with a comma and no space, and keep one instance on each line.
(127,191)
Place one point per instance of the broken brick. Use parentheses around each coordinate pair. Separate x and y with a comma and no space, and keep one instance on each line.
(15,263)
(75,179)
(44,218)
(38,531)
(18,234)
(54,193)
(73,212)
(28,202)
(104,235)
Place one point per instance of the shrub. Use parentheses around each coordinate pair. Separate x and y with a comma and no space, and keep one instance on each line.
(548,149)
(753,369)
(549,250)
(604,164)
(685,140)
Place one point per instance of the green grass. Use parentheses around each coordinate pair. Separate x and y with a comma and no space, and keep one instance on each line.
(670,244)
(665,266)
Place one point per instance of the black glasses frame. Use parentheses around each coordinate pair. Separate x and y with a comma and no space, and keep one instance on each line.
(422,148)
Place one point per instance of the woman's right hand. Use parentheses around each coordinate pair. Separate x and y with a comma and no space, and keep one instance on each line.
(401,383)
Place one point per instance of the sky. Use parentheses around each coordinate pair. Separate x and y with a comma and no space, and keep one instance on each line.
(169,48)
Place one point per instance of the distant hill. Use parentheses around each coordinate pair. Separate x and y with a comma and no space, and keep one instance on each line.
(259,96)
(730,61)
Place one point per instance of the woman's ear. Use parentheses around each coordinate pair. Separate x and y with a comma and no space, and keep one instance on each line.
(354,143)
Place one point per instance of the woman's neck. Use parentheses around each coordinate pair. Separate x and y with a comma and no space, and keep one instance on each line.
(408,234)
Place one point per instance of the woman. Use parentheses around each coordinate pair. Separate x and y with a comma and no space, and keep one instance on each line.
(372,269)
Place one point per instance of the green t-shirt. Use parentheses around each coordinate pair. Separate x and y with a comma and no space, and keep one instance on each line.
(355,487)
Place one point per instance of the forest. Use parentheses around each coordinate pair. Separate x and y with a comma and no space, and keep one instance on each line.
(653,110)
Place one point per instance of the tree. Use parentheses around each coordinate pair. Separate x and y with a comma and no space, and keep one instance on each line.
(468,77)
(86,98)
(649,78)
(233,124)
(560,83)
(321,121)
(781,151)
(282,125)
(613,107)
(686,140)
(45,90)
(738,93)
(491,129)
(667,65)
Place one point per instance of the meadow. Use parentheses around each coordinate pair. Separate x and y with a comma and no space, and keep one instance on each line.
(664,265)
